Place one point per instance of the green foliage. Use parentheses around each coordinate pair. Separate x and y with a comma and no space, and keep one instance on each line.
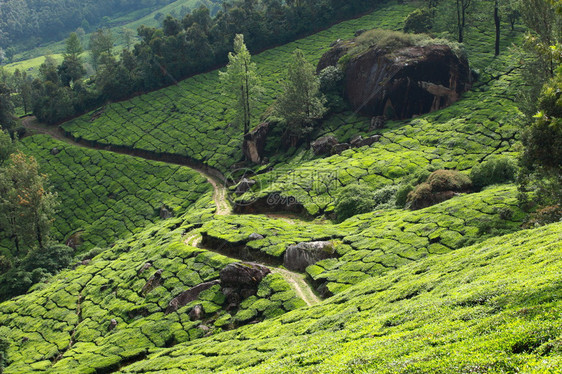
(164,121)
(27,206)
(7,120)
(493,171)
(3,348)
(38,265)
(69,318)
(7,146)
(458,312)
(331,86)
(353,199)
(241,80)
(542,155)
(419,21)
(402,194)
(300,104)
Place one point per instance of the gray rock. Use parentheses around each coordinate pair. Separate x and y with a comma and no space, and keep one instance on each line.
(146,266)
(298,257)
(153,282)
(165,213)
(254,143)
(339,148)
(243,274)
(112,325)
(377,123)
(255,236)
(400,82)
(323,145)
(369,141)
(355,141)
(197,313)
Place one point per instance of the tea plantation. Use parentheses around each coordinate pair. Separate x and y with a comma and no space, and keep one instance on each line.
(457,287)
(491,307)
(104,195)
(64,326)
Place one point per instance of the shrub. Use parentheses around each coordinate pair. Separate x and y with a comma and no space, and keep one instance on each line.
(402,195)
(419,21)
(439,186)
(353,199)
(448,180)
(544,216)
(385,197)
(493,171)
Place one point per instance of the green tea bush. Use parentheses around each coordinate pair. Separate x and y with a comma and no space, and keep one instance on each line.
(353,199)
(494,171)
(419,21)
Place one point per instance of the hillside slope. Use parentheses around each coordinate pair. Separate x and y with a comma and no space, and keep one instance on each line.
(492,307)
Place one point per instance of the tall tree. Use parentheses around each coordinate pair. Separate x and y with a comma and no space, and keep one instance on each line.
(301,103)
(462,9)
(72,68)
(100,42)
(240,82)
(7,119)
(26,206)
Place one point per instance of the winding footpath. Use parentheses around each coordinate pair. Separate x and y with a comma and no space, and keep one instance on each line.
(220,197)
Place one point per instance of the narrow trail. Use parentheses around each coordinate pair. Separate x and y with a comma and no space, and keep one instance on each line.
(297,281)
(220,193)
(219,190)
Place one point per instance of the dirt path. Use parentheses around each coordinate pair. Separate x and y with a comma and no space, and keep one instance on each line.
(298,282)
(219,190)
(220,196)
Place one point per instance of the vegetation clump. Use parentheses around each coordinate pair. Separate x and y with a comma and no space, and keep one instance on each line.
(441,185)
(419,21)
(353,199)
(493,171)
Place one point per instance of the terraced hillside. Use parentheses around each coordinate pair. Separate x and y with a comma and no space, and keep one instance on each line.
(105,196)
(454,288)
(114,309)
(492,307)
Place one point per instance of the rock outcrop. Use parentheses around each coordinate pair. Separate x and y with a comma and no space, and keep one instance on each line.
(323,145)
(400,83)
(298,257)
(254,143)
(240,280)
(188,296)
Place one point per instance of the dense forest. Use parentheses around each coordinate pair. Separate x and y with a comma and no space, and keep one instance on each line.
(30,22)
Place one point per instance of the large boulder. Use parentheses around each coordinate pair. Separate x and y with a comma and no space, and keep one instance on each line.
(240,280)
(243,274)
(402,82)
(298,257)
(323,145)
